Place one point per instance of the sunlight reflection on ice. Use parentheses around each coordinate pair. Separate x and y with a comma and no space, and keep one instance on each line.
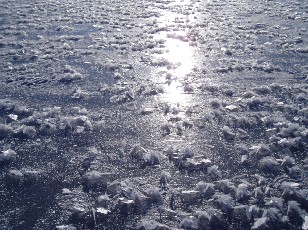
(178,52)
(174,94)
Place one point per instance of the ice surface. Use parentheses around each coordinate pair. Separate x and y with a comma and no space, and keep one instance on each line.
(153,114)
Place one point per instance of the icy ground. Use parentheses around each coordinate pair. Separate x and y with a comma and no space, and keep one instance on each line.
(164,114)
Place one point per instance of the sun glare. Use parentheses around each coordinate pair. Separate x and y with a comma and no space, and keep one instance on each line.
(179,52)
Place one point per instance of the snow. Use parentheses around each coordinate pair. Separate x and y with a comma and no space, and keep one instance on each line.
(7,155)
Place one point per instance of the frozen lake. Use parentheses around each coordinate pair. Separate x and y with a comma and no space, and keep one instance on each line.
(165,114)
